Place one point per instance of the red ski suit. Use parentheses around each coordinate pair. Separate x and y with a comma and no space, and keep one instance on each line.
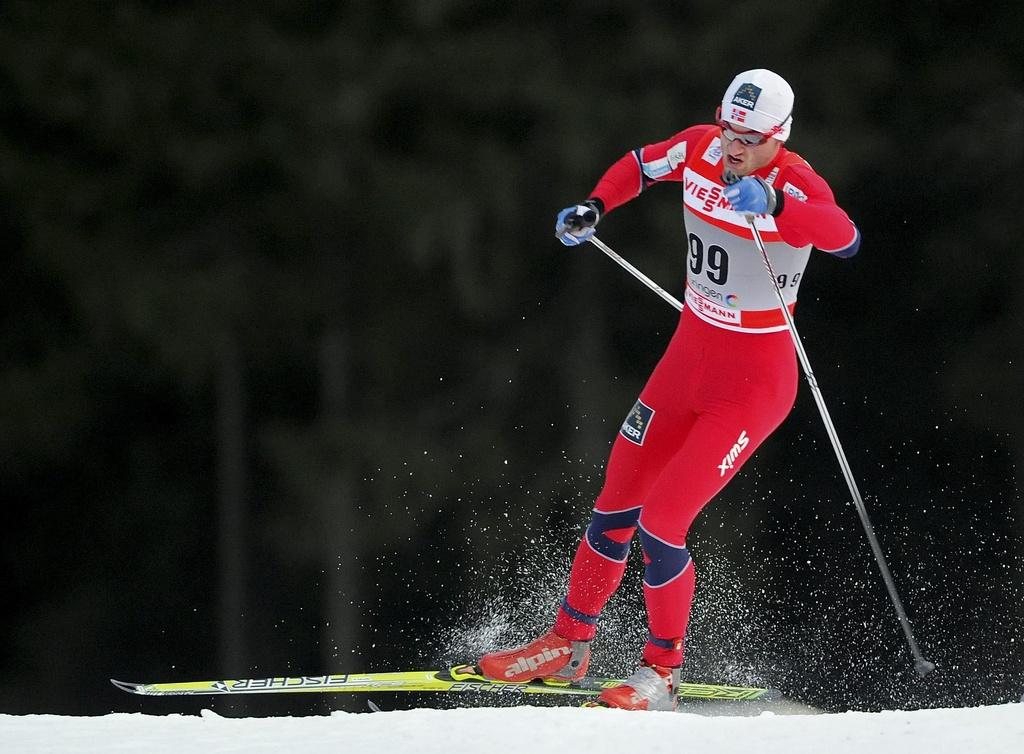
(727,379)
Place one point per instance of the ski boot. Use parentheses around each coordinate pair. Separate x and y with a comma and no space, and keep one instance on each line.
(549,658)
(651,687)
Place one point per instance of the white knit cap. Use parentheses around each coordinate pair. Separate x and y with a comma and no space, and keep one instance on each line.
(760,101)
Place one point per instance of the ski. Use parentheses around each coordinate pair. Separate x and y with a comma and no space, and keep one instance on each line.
(460,678)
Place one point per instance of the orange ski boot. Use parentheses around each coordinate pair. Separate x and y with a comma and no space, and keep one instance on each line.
(651,687)
(549,658)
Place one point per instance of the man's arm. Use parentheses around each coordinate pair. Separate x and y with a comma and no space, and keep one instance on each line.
(806,212)
(632,173)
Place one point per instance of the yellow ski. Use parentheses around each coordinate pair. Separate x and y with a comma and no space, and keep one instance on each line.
(460,678)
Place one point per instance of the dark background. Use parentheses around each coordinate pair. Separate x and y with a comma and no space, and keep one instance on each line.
(297,380)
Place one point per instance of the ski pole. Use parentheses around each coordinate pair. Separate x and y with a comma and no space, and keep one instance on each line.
(636,273)
(921,665)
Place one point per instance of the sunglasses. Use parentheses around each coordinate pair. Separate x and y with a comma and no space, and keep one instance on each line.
(750,138)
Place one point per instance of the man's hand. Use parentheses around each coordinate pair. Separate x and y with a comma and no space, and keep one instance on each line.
(576,224)
(752,196)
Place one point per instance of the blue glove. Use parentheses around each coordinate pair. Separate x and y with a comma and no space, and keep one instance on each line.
(576,224)
(751,196)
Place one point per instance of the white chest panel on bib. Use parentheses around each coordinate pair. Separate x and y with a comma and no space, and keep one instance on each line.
(727,282)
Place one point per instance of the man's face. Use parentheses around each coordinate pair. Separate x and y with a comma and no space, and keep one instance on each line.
(742,158)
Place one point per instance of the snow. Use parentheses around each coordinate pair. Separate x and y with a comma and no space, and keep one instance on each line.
(991,729)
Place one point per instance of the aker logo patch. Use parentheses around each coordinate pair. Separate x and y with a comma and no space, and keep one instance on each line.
(637,423)
(746,96)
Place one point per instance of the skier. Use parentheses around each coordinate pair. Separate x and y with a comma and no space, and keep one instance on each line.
(727,379)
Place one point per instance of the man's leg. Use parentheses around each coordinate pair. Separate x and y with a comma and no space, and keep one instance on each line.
(635,464)
(716,448)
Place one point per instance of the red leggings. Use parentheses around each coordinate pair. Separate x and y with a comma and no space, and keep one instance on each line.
(712,399)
